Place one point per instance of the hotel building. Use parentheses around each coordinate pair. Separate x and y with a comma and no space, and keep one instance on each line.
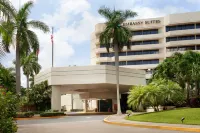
(94,86)
(153,40)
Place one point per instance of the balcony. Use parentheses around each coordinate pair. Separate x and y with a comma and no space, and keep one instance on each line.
(147,66)
(170,53)
(147,37)
(182,32)
(131,57)
(183,43)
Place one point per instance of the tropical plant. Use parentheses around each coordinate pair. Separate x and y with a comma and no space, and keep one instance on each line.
(30,66)
(16,30)
(9,104)
(183,69)
(158,92)
(7,78)
(39,95)
(116,36)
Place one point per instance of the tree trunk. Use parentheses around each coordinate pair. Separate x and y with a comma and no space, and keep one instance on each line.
(17,66)
(197,88)
(27,82)
(188,93)
(117,78)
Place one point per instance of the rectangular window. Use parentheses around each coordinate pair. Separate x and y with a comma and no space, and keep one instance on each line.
(145,32)
(143,62)
(122,53)
(197,26)
(122,63)
(197,36)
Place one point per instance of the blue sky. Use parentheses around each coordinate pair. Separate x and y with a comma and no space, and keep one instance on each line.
(74,21)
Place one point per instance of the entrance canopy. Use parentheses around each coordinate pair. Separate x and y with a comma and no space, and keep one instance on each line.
(91,81)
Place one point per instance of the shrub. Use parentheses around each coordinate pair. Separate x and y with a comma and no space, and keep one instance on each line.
(129,112)
(8,107)
(76,110)
(49,114)
(24,114)
(195,102)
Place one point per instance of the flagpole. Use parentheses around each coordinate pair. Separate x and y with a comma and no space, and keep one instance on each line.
(52,46)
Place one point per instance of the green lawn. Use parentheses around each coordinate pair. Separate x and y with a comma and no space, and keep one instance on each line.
(192,116)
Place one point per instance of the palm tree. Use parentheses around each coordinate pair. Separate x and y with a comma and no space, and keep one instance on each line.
(18,32)
(116,36)
(30,66)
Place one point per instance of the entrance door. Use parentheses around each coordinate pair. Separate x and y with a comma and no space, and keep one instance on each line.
(105,105)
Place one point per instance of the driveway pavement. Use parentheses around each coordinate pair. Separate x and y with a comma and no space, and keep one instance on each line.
(79,124)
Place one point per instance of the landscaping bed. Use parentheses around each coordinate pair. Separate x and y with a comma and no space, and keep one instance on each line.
(191,115)
(24,114)
(50,114)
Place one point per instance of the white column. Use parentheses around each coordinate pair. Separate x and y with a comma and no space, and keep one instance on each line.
(85,106)
(56,98)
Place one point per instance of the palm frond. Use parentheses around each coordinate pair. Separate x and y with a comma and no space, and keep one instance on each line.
(39,25)
(106,12)
(7,9)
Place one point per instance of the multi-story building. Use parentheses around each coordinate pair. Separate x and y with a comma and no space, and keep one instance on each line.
(153,40)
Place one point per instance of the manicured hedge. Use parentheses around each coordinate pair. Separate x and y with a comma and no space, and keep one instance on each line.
(49,114)
(76,110)
(24,114)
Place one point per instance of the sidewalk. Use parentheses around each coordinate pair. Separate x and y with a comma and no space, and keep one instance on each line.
(119,120)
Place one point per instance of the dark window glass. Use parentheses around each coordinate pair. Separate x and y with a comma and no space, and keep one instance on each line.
(197,36)
(197,26)
(180,27)
(141,62)
(184,48)
(122,63)
(145,32)
(137,43)
(198,47)
(137,33)
(122,54)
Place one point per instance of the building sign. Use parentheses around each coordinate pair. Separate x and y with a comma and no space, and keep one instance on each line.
(142,22)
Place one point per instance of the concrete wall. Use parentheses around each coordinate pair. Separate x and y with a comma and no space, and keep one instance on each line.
(98,74)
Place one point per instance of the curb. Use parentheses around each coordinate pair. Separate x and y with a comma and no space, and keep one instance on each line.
(152,126)
(35,118)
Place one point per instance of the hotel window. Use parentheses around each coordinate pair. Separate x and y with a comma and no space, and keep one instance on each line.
(145,42)
(145,32)
(197,36)
(184,48)
(122,63)
(106,54)
(197,26)
(143,62)
(122,53)
(179,38)
(198,47)
(180,27)
(142,52)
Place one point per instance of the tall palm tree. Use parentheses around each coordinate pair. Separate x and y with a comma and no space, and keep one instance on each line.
(30,66)
(18,32)
(116,36)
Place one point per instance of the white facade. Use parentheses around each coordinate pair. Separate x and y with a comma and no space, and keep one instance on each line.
(89,82)
(153,40)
